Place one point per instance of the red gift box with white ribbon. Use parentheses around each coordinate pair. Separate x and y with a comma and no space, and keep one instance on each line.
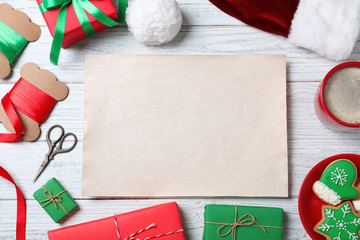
(161,222)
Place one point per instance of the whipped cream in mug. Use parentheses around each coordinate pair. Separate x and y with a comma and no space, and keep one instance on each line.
(342,94)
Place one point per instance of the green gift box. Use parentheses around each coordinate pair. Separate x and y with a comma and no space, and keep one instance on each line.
(227,222)
(56,201)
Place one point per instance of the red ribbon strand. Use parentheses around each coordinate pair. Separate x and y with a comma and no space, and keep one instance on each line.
(21,207)
(14,120)
(28,99)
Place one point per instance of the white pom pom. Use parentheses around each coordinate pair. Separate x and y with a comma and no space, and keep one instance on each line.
(153,22)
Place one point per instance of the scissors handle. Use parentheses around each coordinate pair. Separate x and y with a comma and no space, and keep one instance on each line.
(60,149)
(50,142)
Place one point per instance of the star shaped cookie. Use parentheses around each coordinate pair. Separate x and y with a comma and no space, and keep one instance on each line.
(339,223)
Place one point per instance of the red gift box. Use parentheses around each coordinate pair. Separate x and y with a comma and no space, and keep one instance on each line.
(162,222)
(73,29)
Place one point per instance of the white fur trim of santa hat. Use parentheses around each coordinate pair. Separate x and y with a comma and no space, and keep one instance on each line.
(327,27)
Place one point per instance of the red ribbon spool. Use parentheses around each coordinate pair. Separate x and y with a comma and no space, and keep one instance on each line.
(28,99)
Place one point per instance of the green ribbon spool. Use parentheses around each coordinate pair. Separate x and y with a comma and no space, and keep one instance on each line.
(80,6)
(11,42)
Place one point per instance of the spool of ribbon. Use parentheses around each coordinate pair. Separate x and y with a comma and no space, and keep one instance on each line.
(246,220)
(80,6)
(29,100)
(57,199)
(21,207)
(133,235)
(11,42)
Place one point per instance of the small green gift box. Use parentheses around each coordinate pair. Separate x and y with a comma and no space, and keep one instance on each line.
(56,201)
(226,222)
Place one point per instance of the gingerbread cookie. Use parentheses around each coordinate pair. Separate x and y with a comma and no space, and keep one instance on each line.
(337,182)
(339,223)
(16,30)
(356,201)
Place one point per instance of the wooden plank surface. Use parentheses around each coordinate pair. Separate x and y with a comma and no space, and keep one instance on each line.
(206,30)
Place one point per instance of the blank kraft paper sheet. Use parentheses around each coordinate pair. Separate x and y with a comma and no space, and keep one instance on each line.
(175,125)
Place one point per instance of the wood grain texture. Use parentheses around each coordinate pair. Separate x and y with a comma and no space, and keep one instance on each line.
(206,30)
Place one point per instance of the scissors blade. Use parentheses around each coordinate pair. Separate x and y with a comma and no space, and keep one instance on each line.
(42,167)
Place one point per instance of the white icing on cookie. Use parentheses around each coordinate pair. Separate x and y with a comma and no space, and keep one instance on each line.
(326,194)
(356,204)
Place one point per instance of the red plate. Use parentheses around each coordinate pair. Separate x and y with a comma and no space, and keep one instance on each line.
(310,204)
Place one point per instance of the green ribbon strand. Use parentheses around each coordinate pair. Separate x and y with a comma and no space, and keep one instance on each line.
(42,8)
(80,6)
(11,42)
(123,4)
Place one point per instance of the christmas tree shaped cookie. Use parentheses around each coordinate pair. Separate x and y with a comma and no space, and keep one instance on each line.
(337,182)
(339,223)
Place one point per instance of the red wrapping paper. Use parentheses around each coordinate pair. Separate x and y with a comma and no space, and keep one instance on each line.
(166,217)
(73,29)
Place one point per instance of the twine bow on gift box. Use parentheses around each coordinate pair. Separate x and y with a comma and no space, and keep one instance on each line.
(246,220)
(133,235)
(57,199)
(80,6)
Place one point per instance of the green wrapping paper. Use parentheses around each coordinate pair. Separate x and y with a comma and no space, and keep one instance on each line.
(226,222)
(56,201)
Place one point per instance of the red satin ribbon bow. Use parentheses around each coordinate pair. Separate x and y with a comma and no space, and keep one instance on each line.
(21,207)
(28,99)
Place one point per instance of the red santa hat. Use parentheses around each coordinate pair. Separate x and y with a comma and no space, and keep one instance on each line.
(327,27)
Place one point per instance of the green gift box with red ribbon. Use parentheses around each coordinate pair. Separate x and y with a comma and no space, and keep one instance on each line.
(56,201)
(72,20)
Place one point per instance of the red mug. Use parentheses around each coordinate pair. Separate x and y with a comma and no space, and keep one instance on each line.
(322,111)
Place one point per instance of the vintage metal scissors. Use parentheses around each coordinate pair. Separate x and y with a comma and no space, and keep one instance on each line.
(55,147)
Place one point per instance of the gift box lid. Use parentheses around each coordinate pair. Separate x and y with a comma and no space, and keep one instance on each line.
(73,29)
(166,217)
(266,222)
(64,204)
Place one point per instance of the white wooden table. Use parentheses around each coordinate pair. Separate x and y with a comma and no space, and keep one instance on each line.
(206,30)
